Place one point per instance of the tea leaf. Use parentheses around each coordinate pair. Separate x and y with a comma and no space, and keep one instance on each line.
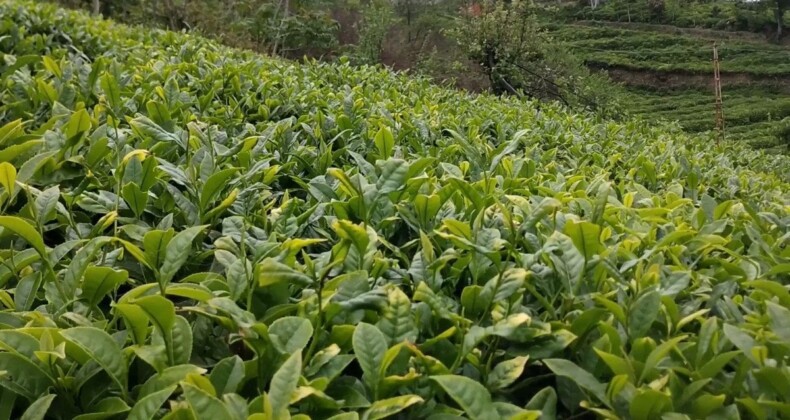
(369,347)
(7,176)
(102,349)
(507,372)
(23,376)
(177,252)
(38,410)
(227,375)
(147,406)
(397,322)
(385,142)
(284,384)
(472,397)
(390,406)
(290,334)
(579,376)
(26,231)
(643,313)
(271,272)
(203,404)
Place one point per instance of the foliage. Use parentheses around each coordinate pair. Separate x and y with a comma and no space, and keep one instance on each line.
(377,18)
(192,231)
(289,28)
(508,42)
(650,50)
(723,15)
(754,115)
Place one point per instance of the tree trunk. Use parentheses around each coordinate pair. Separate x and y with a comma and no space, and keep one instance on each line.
(408,20)
(169,14)
(96,9)
(779,13)
(284,5)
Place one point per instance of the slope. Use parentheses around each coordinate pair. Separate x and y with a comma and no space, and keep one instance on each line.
(667,71)
(192,231)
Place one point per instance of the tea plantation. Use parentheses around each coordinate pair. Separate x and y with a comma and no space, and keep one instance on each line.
(668,75)
(194,232)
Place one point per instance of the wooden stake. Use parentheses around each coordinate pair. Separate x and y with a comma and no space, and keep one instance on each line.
(717,89)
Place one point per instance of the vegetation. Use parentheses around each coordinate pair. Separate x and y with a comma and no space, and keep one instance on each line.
(667,74)
(377,18)
(528,61)
(535,49)
(518,57)
(758,16)
(760,116)
(289,28)
(646,50)
(663,57)
(191,231)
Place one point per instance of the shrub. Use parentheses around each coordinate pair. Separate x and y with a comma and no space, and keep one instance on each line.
(192,231)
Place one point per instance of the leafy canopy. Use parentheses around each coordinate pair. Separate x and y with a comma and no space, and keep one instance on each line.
(191,231)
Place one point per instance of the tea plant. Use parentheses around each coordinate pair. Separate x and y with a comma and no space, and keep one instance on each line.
(191,231)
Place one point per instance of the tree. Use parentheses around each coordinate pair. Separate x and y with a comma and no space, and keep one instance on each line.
(656,9)
(780,7)
(377,18)
(406,8)
(519,58)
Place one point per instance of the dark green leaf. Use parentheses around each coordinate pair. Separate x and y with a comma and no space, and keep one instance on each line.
(290,334)
(369,346)
(101,347)
(284,384)
(177,252)
(472,397)
(38,410)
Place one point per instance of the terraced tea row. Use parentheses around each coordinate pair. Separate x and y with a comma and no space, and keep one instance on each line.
(669,77)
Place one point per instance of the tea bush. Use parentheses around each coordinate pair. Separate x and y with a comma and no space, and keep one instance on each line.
(191,231)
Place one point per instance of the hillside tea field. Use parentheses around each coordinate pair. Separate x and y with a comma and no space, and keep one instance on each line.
(668,76)
(194,232)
